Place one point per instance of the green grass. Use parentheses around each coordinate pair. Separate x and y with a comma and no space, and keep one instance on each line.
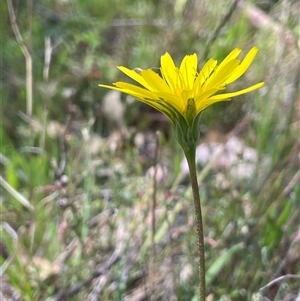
(94,213)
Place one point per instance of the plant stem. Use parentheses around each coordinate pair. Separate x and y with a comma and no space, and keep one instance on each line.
(190,156)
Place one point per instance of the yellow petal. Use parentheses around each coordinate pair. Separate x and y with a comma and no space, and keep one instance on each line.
(144,96)
(173,99)
(168,70)
(133,90)
(135,76)
(137,92)
(106,86)
(218,78)
(188,70)
(111,87)
(240,70)
(154,81)
(201,98)
(208,102)
(232,94)
(205,72)
(187,94)
(231,56)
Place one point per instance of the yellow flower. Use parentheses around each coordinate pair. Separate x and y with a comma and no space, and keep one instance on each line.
(182,93)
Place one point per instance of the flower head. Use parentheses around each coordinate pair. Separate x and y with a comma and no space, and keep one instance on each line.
(182,92)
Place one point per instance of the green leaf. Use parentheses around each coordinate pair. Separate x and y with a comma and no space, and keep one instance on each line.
(223,260)
(284,214)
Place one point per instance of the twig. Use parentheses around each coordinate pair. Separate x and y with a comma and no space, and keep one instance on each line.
(63,295)
(31,121)
(66,252)
(143,293)
(27,55)
(20,198)
(47,59)
(288,256)
(29,23)
(279,279)
(14,236)
(290,186)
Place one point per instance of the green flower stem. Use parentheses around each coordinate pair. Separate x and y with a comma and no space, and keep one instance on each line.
(191,159)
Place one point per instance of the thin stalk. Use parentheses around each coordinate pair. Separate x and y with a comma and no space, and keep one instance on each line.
(190,156)
(27,55)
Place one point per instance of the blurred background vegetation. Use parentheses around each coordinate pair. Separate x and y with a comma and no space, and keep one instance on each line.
(84,170)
